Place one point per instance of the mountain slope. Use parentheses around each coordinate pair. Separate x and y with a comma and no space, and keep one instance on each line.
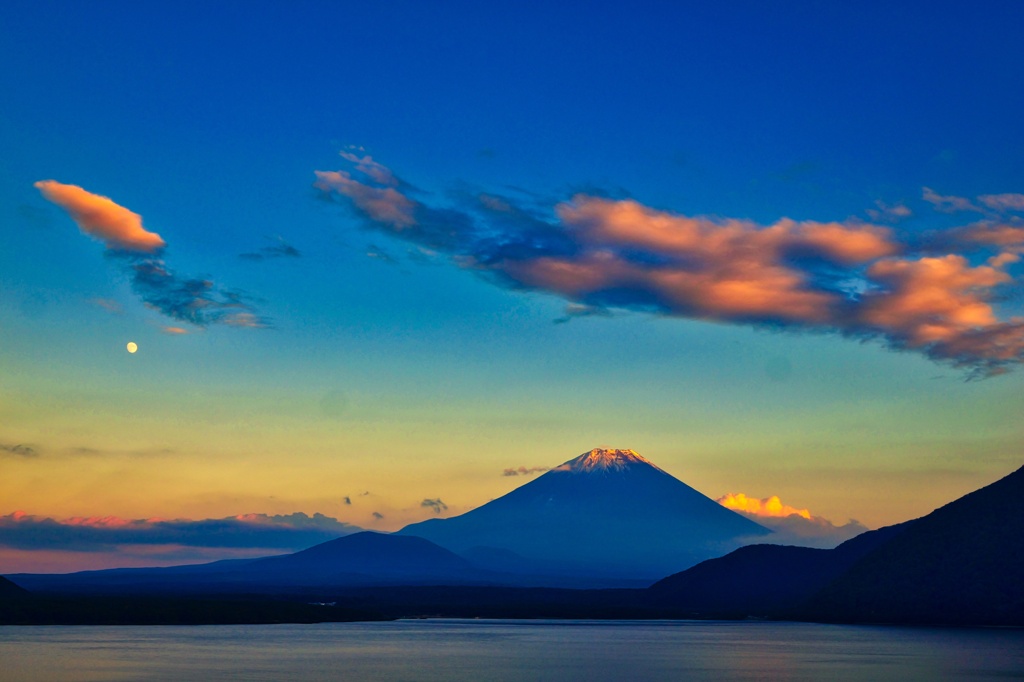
(365,558)
(763,580)
(374,555)
(606,512)
(963,563)
(9,590)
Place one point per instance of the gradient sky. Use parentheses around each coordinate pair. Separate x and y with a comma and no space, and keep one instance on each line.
(452,296)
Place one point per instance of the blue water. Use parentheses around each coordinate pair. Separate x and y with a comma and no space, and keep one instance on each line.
(492,650)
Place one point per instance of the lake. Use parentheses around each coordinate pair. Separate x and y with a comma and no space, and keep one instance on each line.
(495,650)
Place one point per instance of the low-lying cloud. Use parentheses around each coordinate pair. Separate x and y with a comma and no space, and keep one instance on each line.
(862,280)
(102,534)
(138,252)
(769,506)
(790,525)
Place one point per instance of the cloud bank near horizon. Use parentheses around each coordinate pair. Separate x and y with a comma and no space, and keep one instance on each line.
(935,295)
(197,301)
(290,532)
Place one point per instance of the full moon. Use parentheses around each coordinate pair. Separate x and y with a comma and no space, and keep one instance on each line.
(132,346)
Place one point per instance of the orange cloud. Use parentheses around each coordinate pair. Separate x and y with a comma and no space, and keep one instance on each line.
(931,300)
(100,217)
(934,295)
(768,506)
(382,204)
(1007,235)
(602,221)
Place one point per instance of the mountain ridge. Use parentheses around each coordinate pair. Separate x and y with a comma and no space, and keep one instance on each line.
(607,511)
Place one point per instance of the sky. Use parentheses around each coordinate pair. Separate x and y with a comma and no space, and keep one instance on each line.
(387,261)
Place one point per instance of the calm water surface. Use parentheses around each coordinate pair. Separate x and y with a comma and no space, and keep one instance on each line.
(492,650)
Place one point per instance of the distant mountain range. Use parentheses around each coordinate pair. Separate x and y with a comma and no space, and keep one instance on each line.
(605,513)
(608,518)
(961,564)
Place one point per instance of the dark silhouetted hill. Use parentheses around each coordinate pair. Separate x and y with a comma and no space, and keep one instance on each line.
(961,564)
(9,590)
(763,580)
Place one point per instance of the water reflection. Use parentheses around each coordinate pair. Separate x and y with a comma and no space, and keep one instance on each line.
(456,651)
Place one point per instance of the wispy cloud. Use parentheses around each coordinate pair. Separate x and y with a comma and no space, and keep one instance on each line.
(196,301)
(992,204)
(889,213)
(18,450)
(279,249)
(575,310)
(524,471)
(110,305)
(374,251)
(99,534)
(858,279)
(948,203)
(1003,202)
(436,504)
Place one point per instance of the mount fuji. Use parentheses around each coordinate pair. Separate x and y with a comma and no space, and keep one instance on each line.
(605,513)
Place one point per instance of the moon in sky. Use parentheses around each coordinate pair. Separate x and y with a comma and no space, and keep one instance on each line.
(132,346)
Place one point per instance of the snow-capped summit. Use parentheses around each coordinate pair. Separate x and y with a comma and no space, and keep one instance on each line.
(606,511)
(603,459)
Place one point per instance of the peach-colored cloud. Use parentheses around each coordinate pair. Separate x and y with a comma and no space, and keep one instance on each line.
(712,269)
(1004,234)
(930,300)
(382,204)
(858,279)
(174,330)
(377,172)
(100,217)
(628,223)
(768,506)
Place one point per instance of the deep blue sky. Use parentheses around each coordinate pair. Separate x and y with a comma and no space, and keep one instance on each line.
(412,380)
